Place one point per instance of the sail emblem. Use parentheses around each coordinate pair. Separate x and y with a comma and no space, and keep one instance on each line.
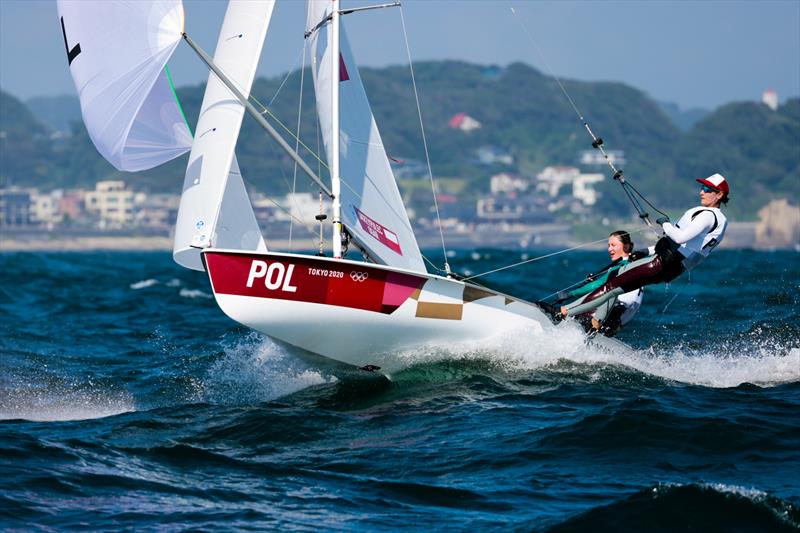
(379,232)
(359,276)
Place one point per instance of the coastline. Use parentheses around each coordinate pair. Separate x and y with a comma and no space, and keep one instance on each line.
(740,236)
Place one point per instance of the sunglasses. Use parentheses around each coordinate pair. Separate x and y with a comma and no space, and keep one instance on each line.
(706,188)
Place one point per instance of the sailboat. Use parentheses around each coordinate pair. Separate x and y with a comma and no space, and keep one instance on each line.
(368,312)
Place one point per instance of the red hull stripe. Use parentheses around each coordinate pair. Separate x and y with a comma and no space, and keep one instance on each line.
(310,280)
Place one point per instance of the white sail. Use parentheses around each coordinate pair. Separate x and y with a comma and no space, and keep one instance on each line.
(117,52)
(215,209)
(372,208)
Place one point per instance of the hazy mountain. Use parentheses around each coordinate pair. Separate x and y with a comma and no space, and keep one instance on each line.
(757,148)
(684,119)
(57,112)
(25,146)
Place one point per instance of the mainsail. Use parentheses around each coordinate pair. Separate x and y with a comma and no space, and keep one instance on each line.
(372,208)
(117,54)
(215,209)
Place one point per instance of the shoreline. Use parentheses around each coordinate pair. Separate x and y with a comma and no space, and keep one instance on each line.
(741,236)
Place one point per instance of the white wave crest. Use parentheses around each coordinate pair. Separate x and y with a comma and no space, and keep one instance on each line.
(194,293)
(255,369)
(750,493)
(764,364)
(143,284)
(62,403)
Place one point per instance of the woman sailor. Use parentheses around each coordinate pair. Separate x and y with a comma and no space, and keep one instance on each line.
(683,246)
(611,316)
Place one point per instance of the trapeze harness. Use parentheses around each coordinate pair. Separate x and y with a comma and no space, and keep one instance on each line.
(620,312)
(684,246)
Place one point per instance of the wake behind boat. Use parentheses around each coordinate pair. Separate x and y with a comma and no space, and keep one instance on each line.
(362,313)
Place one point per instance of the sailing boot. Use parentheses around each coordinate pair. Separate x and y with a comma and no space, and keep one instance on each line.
(552,311)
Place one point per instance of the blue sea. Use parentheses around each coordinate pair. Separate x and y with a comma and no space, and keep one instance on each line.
(128,401)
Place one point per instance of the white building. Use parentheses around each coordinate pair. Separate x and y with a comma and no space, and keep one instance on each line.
(491,155)
(494,208)
(302,206)
(770,99)
(112,202)
(156,210)
(582,188)
(464,122)
(44,208)
(552,179)
(507,183)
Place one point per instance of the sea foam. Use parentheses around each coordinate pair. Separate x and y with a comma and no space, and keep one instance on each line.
(63,403)
(763,363)
(255,369)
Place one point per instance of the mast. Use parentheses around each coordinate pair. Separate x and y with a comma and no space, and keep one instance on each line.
(335,179)
(253,112)
(370,206)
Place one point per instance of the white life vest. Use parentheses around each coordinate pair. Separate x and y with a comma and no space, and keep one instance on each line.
(699,247)
(632,301)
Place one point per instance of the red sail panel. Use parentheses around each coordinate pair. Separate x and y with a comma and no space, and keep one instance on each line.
(343,75)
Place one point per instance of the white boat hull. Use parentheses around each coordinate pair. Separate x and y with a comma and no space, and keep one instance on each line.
(358,313)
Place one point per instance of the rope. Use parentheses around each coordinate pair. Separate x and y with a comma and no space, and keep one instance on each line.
(597,142)
(539,258)
(297,143)
(677,293)
(301,222)
(292,218)
(288,74)
(424,140)
(265,111)
(568,287)
(321,164)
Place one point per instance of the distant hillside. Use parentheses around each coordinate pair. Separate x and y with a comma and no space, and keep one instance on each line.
(26,153)
(521,111)
(756,148)
(56,112)
(685,120)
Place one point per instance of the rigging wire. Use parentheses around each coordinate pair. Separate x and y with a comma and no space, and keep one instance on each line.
(320,162)
(678,293)
(302,223)
(289,74)
(265,110)
(539,258)
(292,218)
(297,142)
(633,195)
(424,141)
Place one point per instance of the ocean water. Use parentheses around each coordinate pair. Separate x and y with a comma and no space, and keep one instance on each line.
(129,401)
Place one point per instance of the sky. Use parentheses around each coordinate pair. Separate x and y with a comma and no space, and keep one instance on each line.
(695,54)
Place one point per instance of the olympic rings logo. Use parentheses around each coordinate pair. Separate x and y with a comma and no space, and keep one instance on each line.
(359,276)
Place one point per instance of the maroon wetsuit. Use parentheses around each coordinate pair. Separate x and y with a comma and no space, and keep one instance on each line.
(661,268)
